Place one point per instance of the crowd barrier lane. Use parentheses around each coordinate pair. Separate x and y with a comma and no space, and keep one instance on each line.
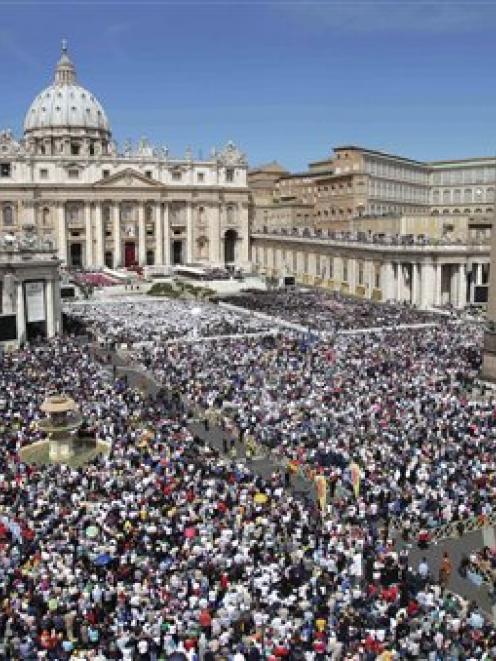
(265,317)
(448,530)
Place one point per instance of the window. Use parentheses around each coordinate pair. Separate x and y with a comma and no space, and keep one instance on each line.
(43,173)
(73,174)
(75,149)
(5,169)
(229,175)
(105,173)
(148,174)
(377,277)
(46,216)
(148,213)
(176,175)
(8,215)
(200,177)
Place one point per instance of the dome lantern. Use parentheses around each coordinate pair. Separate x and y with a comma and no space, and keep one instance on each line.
(65,73)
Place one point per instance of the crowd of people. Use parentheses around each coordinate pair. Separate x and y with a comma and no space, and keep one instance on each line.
(328,311)
(128,322)
(166,549)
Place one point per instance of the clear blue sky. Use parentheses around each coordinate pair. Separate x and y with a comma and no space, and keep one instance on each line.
(284,80)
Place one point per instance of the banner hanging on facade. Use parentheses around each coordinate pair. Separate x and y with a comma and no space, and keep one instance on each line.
(35,301)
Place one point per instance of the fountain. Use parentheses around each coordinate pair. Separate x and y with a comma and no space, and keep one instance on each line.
(64,443)
(61,425)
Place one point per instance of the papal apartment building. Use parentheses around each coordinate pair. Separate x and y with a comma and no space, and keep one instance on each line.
(364,189)
(107,207)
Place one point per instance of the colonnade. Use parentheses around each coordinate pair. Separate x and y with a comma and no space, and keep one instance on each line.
(425,278)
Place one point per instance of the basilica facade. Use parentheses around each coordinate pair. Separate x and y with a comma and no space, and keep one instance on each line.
(118,208)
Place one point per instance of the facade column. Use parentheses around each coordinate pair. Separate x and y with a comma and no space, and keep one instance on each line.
(427,279)
(439,285)
(100,256)
(62,234)
(189,233)
(50,308)
(116,231)
(244,248)
(387,281)
(167,245)
(159,238)
(88,262)
(462,286)
(141,234)
(21,313)
(214,233)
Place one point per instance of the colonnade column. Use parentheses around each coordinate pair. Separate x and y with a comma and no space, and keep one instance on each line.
(415,284)
(141,235)
(116,231)
(439,285)
(399,282)
(462,286)
(21,313)
(62,233)
(167,247)
(189,232)
(88,262)
(159,238)
(99,257)
(427,289)
(50,320)
(387,281)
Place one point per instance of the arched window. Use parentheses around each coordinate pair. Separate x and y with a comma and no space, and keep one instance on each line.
(201,215)
(8,215)
(45,216)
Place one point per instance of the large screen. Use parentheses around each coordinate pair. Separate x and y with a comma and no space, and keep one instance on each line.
(8,327)
(480,293)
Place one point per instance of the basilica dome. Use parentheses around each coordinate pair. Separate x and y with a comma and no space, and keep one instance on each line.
(66,105)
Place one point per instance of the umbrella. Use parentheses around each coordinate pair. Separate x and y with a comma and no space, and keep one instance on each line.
(92,531)
(102,560)
(260,498)
(190,532)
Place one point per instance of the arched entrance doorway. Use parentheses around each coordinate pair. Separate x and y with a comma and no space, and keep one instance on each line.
(129,254)
(230,238)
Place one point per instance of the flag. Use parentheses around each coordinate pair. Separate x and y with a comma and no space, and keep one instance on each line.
(355,478)
(321,488)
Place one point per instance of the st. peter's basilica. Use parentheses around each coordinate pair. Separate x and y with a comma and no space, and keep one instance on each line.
(108,207)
